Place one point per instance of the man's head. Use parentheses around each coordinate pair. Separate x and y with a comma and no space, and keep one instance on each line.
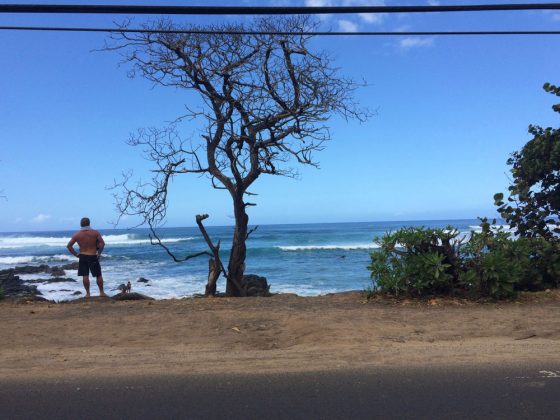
(84,222)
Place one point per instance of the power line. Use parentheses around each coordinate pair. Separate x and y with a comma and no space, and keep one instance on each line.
(243,10)
(313,33)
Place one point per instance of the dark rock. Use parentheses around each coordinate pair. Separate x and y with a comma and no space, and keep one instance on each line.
(32,269)
(57,271)
(131,296)
(143,280)
(76,293)
(14,287)
(71,266)
(52,280)
(254,285)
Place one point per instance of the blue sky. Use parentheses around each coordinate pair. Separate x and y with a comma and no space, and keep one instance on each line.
(449,112)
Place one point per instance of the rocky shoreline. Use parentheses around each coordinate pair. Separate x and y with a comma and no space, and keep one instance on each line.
(14,288)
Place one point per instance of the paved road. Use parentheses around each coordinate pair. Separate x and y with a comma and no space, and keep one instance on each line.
(518,393)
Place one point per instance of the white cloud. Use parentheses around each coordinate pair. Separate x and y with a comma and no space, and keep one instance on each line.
(347,26)
(416,42)
(40,218)
(318,3)
(402,28)
(369,18)
(68,219)
(433,3)
(373,18)
(556,17)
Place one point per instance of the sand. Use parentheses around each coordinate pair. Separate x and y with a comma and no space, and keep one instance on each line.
(284,333)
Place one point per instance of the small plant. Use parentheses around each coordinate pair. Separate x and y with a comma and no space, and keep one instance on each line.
(2,294)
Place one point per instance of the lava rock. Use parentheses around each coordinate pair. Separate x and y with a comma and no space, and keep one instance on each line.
(71,266)
(14,287)
(52,280)
(57,271)
(32,269)
(131,296)
(142,280)
(254,285)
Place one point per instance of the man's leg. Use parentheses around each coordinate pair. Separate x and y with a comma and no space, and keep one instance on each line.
(86,285)
(100,285)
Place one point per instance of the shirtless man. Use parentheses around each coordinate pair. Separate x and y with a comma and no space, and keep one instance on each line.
(91,245)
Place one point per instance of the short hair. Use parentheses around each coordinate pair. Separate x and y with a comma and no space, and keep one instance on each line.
(84,222)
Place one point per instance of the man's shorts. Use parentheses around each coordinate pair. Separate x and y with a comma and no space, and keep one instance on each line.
(89,263)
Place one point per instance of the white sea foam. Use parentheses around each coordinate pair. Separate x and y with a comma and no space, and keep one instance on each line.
(345,247)
(34,259)
(504,228)
(158,288)
(8,242)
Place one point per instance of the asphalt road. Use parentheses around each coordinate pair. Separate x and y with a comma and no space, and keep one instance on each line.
(400,393)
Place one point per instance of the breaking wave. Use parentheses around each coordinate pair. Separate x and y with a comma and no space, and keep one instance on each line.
(35,241)
(34,259)
(328,247)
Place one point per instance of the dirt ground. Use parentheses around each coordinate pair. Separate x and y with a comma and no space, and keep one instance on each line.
(284,333)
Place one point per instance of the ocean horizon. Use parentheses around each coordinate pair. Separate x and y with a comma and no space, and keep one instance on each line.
(307,259)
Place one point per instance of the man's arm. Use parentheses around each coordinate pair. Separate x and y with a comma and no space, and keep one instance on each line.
(70,246)
(100,244)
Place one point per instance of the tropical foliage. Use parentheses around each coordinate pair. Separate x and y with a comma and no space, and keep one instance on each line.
(489,262)
(533,206)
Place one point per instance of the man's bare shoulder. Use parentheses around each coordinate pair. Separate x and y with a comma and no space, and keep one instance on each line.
(77,235)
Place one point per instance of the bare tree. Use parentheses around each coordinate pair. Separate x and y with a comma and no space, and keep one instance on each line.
(265,99)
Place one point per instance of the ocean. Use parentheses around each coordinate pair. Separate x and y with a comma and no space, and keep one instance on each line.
(306,259)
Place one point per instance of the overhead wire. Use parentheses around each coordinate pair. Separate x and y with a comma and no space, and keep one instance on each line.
(267,10)
(310,33)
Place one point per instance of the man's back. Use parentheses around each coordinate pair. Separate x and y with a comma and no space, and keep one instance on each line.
(88,241)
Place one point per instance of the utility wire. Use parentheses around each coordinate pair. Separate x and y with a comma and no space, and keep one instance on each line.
(246,10)
(312,33)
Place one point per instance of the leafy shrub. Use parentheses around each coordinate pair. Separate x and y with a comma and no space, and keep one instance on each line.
(415,261)
(421,261)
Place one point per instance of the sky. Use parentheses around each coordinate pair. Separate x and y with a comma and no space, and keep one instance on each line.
(448,113)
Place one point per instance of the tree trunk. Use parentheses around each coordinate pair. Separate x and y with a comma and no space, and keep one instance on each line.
(236,266)
(214,272)
(215,266)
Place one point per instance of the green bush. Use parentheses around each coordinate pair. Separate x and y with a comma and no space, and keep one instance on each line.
(423,262)
(416,261)
(2,294)
(491,263)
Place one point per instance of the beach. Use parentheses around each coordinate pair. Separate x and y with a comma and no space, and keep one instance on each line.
(279,334)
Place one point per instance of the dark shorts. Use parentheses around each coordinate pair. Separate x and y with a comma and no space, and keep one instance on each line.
(89,263)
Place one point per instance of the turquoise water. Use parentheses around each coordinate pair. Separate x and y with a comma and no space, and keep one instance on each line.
(307,259)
